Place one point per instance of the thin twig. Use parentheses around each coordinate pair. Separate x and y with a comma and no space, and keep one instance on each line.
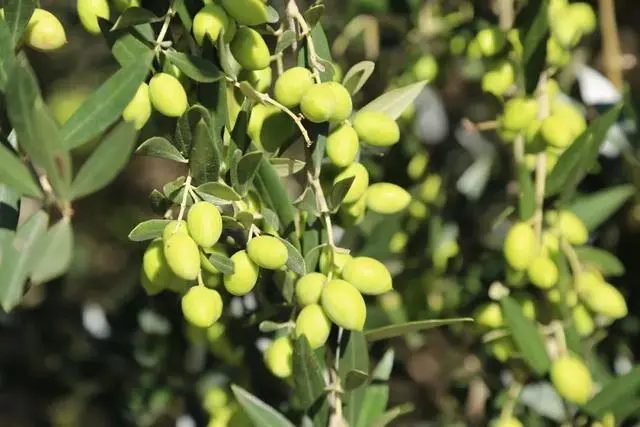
(610,42)
(541,160)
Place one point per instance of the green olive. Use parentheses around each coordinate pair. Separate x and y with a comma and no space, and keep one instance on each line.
(168,95)
(582,320)
(314,325)
(344,305)
(174,227)
(518,114)
(269,127)
(506,422)
(499,79)
(333,262)
(205,224)
(343,103)
(249,49)
(123,5)
(542,272)
(268,252)
(352,214)
(343,146)
(245,275)
(601,297)
(368,275)
(519,246)
(89,11)
(210,20)
(44,31)
(503,348)
(398,242)
(260,80)
(201,306)
(557,55)
(278,357)
(359,184)
(308,288)
(430,188)
(572,228)
(182,256)
(156,271)
(204,257)
(215,399)
(425,68)
(556,132)
(318,104)
(138,110)
(246,12)
(376,128)
(571,379)
(292,85)
(489,315)
(386,198)
(490,41)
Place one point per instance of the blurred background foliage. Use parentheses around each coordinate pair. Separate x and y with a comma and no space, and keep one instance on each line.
(91,349)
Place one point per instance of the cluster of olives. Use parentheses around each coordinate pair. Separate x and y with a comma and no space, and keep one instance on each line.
(569,23)
(44,31)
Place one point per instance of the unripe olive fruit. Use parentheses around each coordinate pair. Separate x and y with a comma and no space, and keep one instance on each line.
(502,348)
(313,324)
(215,399)
(506,422)
(245,274)
(582,320)
(499,79)
(418,210)
(211,20)
(201,306)
(249,49)
(64,100)
(204,257)
(542,272)
(269,127)
(138,110)
(168,95)
(566,31)
(246,12)
(309,287)
(490,41)
(368,275)
(211,280)
(557,56)
(292,85)
(550,242)
(268,252)
(571,298)
(556,132)
(571,379)
(318,104)
(89,11)
(572,228)
(342,146)
(430,188)
(344,305)
(376,128)
(398,242)
(519,113)
(123,5)
(174,227)
(44,31)
(156,270)
(584,16)
(205,224)
(351,214)
(603,298)
(573,118)
(182,256)
(278,357)
(386,198)
(337,260)
(343,103)
(260,80)
(359,184)
(519,246)
(425,68)
(489,315)
(417,165)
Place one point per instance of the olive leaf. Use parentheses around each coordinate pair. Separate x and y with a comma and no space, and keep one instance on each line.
(157,146)
(394,102)
(148,230)
(357,76)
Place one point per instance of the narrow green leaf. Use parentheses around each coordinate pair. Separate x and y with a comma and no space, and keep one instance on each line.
(204,159)
(222,263)
(295,262)
(394,102)
(157,146)
(6,54)
(596,208)
(285,40)
(526,336)
(259,412)
(392,331)
(104,106)
(308,379)
(105,162)
(57,253)
(392,414)
(357,76)
(606,262)
(307,202)
(323,52)
(621,388)
(134,16)
(129,47)
(339,191)
(355,358)
(148,230)
(534,45)
(20,257)
(526,202)
(271,218)
(228,63)
(354,379)
(286,167)
(16,15)
(15,174)
(9,211)
(376,395)
(196,68)
(311,258)
(248,166)
(220,191)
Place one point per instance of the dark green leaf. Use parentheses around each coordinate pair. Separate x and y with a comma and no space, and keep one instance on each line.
(534,45)
(357,76)
(105,162)
(354,379)
(15,174)
(307,202)
(57,253)
(355,357)
(271,218)
(134,16)
(157,146)
(239,132)
(307,373)
(527,201)
(295,262)
(248,166)
(6,54)
(313,14)
(376,395)
(339,191)
(222,263)
(287,167)
(622,388)
(574,163)
(129,48)
(394,102)
(596,208)
(323,52)
(9,211)
(104,106)
(20,257)
(392,331)
(285,40)
(311,258)
(219,191)
(228,63)
(392,414)
(259,412)
(604,261)
(204,159)
(196,68)
(148,230)
(16,15)
(526,336)
(183,14)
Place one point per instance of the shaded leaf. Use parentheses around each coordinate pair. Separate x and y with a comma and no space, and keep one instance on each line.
(259,412)
(313,14)
(596,208)
(104,106)
(57,253)
(357,76)
(526,336)
(157,146)
(307,373)
(272,15)
(307,202)
(105,162)
(204,159)
(15,174)
(354,379)
(394,102)
(248,166)
(286,167)
(619,389)
(6,54)
(295,261)
(392,331)
(355,358)
(311,258)
(134,16)
(148,230)
(376,395)
(534,45)
(222,263)
(196,68)
(339,191)
(16,15)
(526,201)
(228,63)
(220,191)
(285,40)
(606,262)
(271,218)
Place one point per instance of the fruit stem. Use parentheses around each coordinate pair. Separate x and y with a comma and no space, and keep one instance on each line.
(610,42)
(294,12)
(183,204)
(200,280)
(561,340)
(572,257)
(165,26)
(336,418)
